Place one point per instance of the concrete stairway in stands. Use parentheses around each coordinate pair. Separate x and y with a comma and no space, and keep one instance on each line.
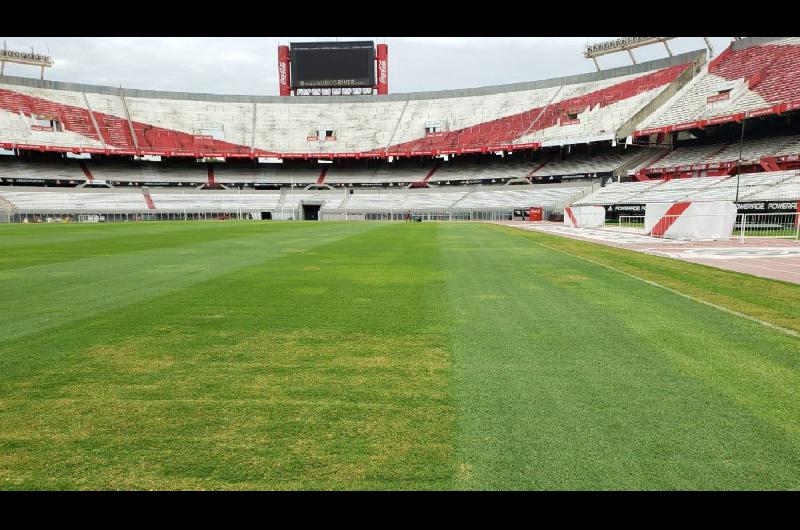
(461,199)
(588,191)
(640,161)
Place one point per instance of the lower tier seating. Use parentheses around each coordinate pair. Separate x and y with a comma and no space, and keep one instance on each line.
(141,200)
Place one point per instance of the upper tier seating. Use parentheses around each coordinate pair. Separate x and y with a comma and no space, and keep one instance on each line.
(562,111)
(747,77)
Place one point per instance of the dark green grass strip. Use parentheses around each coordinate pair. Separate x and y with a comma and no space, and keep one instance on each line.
(569,375)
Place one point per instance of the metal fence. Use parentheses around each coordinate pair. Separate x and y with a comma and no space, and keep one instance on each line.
(505,214)
(631,221)
(782,225)
(775,225)
(117,217)
(18,216)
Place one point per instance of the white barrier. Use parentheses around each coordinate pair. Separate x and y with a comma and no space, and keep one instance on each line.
(690,220)
(584,216)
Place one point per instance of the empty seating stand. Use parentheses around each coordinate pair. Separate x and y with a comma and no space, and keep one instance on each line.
(122,172)
(724,156)
(767,186)
(126,200)
(110,120)
(750,78)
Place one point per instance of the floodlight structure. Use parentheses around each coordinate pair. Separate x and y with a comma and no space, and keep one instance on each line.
(31,59)
(628,44)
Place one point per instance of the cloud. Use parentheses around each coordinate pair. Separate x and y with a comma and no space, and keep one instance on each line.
(248,65)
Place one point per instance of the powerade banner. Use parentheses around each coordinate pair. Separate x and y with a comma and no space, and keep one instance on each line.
(613,211)
(767,207)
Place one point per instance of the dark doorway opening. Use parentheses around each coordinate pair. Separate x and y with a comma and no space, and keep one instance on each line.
(311,212)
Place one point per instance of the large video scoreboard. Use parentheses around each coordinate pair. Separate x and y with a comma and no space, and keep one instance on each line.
(332,64)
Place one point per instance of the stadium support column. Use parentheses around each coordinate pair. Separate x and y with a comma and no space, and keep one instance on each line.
(382,58)
(284,81)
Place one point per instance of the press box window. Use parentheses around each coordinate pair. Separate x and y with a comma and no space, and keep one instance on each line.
(327,133)
(45,123)
(433,127)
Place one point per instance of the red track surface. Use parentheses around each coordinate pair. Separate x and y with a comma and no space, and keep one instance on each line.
(777,259)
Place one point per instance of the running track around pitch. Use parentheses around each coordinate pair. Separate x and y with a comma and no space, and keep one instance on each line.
(777,259)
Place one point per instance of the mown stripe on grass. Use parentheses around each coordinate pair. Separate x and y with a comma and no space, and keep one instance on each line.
(48,295)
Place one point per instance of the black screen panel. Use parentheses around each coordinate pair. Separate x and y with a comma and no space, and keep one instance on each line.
(333,64)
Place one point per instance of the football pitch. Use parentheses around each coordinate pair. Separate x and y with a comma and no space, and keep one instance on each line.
(301,355)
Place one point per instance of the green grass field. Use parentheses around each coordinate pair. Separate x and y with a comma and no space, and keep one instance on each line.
(228,355)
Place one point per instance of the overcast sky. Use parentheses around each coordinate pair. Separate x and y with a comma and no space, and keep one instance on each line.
(248,65)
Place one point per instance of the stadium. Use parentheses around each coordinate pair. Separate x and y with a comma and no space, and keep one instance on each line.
(582,282)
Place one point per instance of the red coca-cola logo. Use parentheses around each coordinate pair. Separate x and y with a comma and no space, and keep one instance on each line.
(282,74)
(382,71)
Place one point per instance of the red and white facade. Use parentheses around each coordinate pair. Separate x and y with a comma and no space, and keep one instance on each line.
(690,220)
(51,116)
(747,80)
(584,216)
